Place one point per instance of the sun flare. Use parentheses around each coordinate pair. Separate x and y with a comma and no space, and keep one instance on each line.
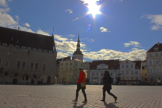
(93,7)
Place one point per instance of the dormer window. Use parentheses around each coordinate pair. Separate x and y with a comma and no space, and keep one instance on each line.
(156,49)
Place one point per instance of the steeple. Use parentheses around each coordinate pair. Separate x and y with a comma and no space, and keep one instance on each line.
(54,47)
(78,44)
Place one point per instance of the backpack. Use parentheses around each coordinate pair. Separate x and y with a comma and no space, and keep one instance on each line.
(110,80)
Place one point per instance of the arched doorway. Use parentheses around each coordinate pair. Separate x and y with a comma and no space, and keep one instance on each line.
(14,81)
(151,81)
(48,80)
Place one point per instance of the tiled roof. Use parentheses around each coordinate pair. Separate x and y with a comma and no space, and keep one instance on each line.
(78,52)
(138,64)
(159,46)
(27,39)
(110,63)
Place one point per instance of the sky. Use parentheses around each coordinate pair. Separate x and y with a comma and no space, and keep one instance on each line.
(122,29)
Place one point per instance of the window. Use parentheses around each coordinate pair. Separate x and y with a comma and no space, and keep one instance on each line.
(23,65)
(122,72)
(6,64)
(157,70)
(126,66)
(66,64)
(61,64)
(18,64)
(122,66)
(131,77)
(157,62)
(150,70)
(160,54)
(149,55)
(31,66)
(44,67)
(96,74)
(101,74)
(127,72)
(70,64)
(155,49)
(132,72)
(131,66)
(150,62)
(92,74)
(127,78)
(136,72)
(156,54)
(36,66)
(111,74)
(158,79)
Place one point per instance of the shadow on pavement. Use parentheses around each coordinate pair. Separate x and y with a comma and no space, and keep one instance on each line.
(110,105)
(75,105)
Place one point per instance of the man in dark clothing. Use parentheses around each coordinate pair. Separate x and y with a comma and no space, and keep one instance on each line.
(107,85)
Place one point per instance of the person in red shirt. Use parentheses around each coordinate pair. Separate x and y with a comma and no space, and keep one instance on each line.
(81,79)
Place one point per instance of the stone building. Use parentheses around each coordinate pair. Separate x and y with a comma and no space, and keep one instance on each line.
(98,67)
(144,72)
(154,64)
(26,58)
(130,72)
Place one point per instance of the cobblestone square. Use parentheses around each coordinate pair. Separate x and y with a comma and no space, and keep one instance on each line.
(61,96)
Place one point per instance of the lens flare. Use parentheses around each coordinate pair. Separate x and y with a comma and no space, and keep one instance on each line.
(93,7)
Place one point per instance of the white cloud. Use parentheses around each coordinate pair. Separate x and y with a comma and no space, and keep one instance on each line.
(42,32)
(17,18)
(69,10)
(6,20)
(4,10)
(133,43)
(156,20)
(3,3)
(27,25)
(71,35)
(107,54)
(103,29)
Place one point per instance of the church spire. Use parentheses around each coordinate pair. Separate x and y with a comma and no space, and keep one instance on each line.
(78,44)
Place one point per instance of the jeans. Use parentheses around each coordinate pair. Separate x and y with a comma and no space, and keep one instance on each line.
(108,91)
(83,91)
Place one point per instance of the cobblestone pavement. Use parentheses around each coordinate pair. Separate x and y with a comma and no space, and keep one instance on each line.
(60,96)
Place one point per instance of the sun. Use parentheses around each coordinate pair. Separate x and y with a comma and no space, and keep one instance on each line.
(93,7)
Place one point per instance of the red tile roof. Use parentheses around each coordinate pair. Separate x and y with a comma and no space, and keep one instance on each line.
(22,38)
(159,46)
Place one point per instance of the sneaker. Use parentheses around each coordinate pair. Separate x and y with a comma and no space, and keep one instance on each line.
(74,100)
(84,101)
(102,100)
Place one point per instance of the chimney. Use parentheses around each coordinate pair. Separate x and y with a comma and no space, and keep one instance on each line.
(158,43)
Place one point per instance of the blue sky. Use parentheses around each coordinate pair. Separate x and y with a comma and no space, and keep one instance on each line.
(126,29)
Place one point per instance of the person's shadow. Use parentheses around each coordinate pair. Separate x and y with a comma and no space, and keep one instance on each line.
(110,105)
(81,106)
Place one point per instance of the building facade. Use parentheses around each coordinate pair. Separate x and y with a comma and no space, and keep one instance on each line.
(154,64)
(98,67)
(130,72)
(144,72)
(26,58)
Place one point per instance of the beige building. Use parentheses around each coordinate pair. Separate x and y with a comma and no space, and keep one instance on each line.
(154,64)
(26,58)
(69,71)
(144,72)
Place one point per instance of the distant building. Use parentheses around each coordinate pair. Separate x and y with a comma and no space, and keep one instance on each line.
(154,64)
(26,58)
(98,67)
(144,72)
(131,73)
